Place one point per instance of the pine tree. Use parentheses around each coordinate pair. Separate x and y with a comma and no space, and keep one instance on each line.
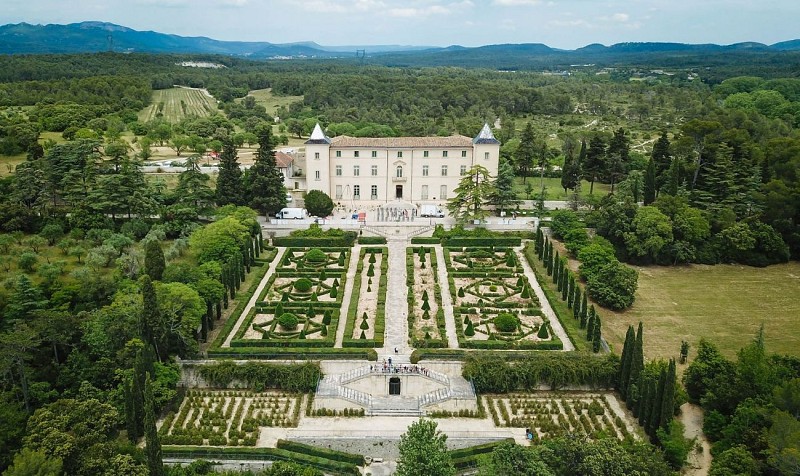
(661,159)
(155,464)
(154,262)
(668,396)
(595,163)
(229,179)
(596,336)
(650,183)
(625,362)
(637,363)
(263,182)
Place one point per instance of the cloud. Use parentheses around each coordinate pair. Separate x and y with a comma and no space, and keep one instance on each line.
(419,12)
(515,3)
(620,17)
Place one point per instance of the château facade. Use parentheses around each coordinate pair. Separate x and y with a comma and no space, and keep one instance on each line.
(359,171)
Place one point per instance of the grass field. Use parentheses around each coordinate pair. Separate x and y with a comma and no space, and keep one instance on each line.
(176,103)
(553,188)
(725,304)
(272,102)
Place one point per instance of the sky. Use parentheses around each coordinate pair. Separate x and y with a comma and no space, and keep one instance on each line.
(564,24)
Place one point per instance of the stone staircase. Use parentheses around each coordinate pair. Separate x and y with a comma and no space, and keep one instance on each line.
(331,386)
(416,370)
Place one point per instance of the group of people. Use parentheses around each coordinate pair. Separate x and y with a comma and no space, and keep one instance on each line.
(388,368)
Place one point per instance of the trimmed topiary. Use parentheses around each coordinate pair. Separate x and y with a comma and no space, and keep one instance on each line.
(506,322)
(314,296)
(427,335)
(303,285)
(470,330)
(426,306)
(460,292)
(288,321)
(316,256)
(324,331)
(364,316)
(326,318)
(466,320)
(364,325)
(371,271)
(426,315)
(322,275)
(335,282)
(543,332)
(363,335)
(334,292)
(310,312)
(425,295)
(525,293)
(371,257)
(369,289)
(285,297)
(279,310)
(520,282)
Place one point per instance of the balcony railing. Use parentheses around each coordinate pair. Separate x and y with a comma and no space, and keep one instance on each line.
(398,179)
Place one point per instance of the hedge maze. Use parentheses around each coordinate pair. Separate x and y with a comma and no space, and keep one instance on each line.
(555,415)
(229,417)
(493,303)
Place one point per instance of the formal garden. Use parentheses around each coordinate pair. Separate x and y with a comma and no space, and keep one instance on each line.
(367,309)
(550,415)
(493,303)
(426,325)
(229,417)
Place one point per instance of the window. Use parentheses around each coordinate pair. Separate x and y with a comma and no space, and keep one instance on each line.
(338,153)
(338,192)
(356,191)
(356,171)
(424,153)
(463,170)
(374,170)
(355,154)
(373,192)
(338,170)
(443,192)
(485,156)
(444,171)
(463,153)
(316,175)
(316,155)
(399,171)
(424,170)
(424,194)
(399,154)
(444,153)
(374,153)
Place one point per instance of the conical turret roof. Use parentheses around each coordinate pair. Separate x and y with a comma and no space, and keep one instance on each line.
(318,137)
(485,136)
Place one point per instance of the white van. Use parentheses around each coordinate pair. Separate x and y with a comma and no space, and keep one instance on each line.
(296,213)
(431,211)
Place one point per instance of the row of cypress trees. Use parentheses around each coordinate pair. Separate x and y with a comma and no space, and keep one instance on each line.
(570,290)
(648,391)
(140,411)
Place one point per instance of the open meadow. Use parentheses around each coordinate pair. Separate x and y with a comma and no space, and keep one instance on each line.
(726,304)
(174,104)
(272,102)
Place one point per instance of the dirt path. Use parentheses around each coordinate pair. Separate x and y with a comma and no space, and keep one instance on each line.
(698,463)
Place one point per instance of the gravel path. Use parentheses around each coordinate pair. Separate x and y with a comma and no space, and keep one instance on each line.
(698,464)
(355,251)
(546,309)
(447,300)
(254,298)
(396,328)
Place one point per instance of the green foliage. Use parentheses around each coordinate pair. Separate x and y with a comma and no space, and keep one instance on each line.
(614,286)
(219,241)
(288,321)
(259,376)
(303,285)
(469,331)
(676,446)
(316,256)
(154,262)
(506,322)
(318,203)
(34,463)
(423,450)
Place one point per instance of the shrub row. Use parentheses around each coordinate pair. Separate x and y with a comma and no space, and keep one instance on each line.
(326,453)
(352,310)
(291,377)
(262,454)
(242,300)
(425,240)
(459,242)
(372,240)
(291,353)
(345,241)
(468,457)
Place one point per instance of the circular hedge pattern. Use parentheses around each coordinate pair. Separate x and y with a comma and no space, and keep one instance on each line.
(316,255)
(288,321)
(303,285)
(506,322)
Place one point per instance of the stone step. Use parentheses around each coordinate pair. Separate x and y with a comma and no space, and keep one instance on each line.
(394,413)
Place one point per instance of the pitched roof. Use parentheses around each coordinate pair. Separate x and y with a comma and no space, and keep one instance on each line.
(283,160)
(402,142)
(318,137)
(485,136)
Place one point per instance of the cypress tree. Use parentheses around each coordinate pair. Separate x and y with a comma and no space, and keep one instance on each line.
(539,242)
(550,260)
(130,410)
(576,302)
(556,270)
(260,240)
(650,182)
(590,324)
(625,362)
(263,182)
(229,179)
(596,335)
(570,291)
(151,315)
(154,262)
(155,464)
(246,259)
(219,310)
(642,408)
(242,273)
(655,407)
(584,308)
(668,396)
(637,363)
(564,283)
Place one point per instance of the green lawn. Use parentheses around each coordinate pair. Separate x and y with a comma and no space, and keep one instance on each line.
(725,304)
(554,190)
(272,102)
(176,103)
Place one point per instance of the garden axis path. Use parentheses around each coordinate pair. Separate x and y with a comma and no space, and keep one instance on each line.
(555,324)
(447,300)
(396,328)
(352,265)
(255,296)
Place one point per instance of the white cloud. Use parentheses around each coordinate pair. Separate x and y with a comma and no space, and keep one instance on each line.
(620,17)
(515,3)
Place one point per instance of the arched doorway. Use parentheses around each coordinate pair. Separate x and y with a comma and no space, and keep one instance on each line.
(394,386)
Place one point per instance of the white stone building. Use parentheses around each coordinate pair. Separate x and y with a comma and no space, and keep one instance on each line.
(360,171)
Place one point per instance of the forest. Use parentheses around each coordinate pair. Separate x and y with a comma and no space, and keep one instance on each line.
(89,243)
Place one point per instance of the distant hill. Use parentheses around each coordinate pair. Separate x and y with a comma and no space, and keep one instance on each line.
(88,37)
